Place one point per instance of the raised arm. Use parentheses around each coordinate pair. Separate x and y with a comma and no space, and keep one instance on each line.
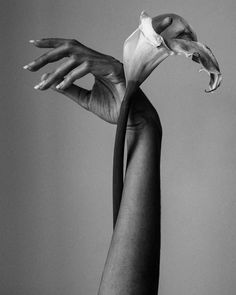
(132,264)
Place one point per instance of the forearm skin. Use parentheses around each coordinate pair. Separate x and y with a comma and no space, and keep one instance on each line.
(132,265)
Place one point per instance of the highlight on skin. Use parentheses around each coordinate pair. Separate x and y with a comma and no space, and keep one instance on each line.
(154,40)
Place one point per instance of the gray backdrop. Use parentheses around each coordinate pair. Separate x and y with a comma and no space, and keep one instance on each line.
(56,159)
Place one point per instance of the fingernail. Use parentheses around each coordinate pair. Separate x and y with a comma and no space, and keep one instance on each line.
(60,86)
(33,41)
(38,86)
(28,66)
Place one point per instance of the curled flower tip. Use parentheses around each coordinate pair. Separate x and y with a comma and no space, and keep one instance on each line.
(201,54)
(182,40)
(215,81)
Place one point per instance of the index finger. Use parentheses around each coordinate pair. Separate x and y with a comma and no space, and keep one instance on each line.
(50,42)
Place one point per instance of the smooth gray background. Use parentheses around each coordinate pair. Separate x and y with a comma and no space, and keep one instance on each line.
(56,158)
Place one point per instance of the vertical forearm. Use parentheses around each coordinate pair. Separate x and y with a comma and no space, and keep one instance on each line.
(132,265)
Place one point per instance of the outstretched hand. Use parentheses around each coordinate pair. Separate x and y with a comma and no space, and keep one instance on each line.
(104,99)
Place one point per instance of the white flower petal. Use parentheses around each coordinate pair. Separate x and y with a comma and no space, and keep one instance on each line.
(148,31)
(143,50)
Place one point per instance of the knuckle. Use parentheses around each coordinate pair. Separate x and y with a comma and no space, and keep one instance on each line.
(74,59)
(87,64)
(57,72)
(36,64)
(45,76)
(70,44)
(67,46)
(69,77)
(72,75)
(42,59)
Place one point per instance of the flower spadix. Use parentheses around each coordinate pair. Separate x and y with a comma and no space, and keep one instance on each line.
(145,49)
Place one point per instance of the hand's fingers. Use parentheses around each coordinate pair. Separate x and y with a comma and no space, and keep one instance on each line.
(58,75)
(44,76)
(51,42)
(160,27)
(48,57)
(77,73)
(77,94)
(74,92)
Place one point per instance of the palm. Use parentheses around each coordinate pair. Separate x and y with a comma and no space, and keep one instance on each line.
(108,89)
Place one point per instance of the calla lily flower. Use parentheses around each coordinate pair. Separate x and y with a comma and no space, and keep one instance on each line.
(145,48)
(153,41)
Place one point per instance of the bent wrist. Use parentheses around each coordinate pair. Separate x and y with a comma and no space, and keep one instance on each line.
(143,115)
